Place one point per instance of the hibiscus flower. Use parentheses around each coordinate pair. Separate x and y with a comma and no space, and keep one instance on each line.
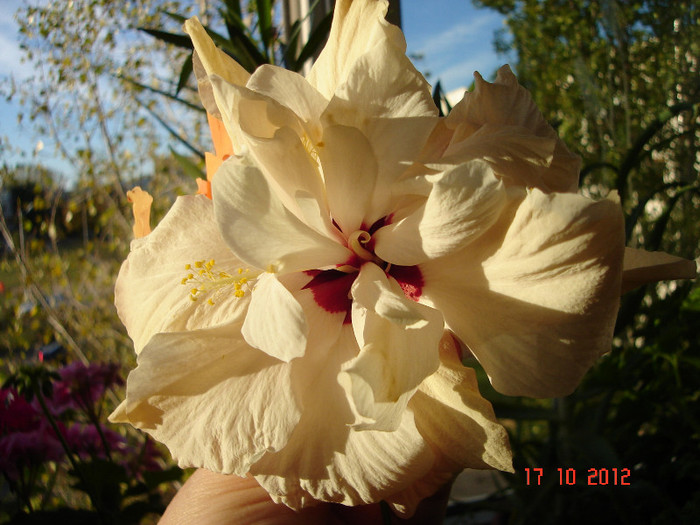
(303,325)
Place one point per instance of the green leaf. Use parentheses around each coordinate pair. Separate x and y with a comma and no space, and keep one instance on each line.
(185,74)
(182,41)
(161,92)
(190,168)
(240,46)
(316,39)
(265,24)
(178,18)
(290,46)
(234,7)
(440,100)
(170,130)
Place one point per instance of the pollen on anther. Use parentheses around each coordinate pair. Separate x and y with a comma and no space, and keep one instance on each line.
(208,280)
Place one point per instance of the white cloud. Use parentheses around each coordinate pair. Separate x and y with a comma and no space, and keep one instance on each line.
(464,32)
(453,53)
(462,73)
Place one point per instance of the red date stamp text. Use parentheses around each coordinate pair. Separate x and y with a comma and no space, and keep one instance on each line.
(593,476)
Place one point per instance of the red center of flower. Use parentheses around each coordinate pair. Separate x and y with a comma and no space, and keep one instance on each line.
(331,288)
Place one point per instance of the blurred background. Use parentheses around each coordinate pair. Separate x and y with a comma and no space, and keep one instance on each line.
(98,96)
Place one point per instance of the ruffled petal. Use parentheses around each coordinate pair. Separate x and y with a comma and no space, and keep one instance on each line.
(294,173)
(149,294)
(397,143)
(536,297)
(505,102)
(383,84)
(459,425)
(642,267)
(255,224)
(283,145)
(339,464)
(398,341)
(516,155)
(358,27)
(212,400)
(246,113)
(292,91)
(275,322)
(462,203)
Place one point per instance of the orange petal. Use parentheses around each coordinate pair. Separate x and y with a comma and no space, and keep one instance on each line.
(204,186)
(141,205)
(212,163)
(222,142)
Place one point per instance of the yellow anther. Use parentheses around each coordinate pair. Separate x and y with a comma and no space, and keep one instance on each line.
(188,267)
(207,280)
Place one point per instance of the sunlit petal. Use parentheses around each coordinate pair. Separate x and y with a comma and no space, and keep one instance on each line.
(149,293)
(536,298)
(255,224)
(340,464)
(398,341)
(506,103)
(275,321)
(462,203)
(216,402)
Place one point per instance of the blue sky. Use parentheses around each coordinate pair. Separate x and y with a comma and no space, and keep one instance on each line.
(455,38)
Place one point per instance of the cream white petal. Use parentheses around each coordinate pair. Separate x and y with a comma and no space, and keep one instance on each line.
(459,425)
(149,294)
(327,460)
(505,102)
(382,83)
(456,420)
(515,153)
(256,225)
(294,174)
(358,27)
(350,172)
(211,399)
(397,143)
(642,267)
(462,203)
(275,321)
(247,113)
(535,298)
(398,341)
(294,92)
(283,146)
